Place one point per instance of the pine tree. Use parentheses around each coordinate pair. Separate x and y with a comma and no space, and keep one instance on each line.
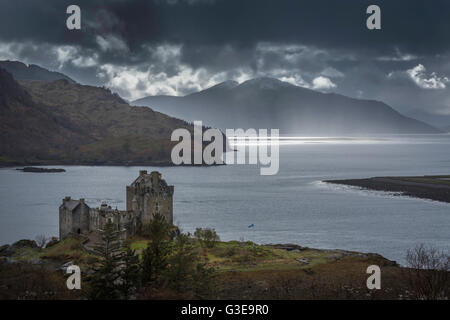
(154,258)
(204,280)
(129,273)
(103,284)
(183,264)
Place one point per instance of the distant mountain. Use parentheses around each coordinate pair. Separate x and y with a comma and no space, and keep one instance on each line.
(446,129)
(65,123)
(435,119)
(22,72)
(270,103)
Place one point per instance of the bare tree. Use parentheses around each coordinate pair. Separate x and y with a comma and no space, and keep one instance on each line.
(428,273)
(41,241)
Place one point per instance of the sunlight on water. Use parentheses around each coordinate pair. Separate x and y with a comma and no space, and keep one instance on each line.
(298,140)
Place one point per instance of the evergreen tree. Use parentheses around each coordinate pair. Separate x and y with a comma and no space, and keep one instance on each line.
(183,263)
(103,284)
(154,258)
(204,280)
(129,273)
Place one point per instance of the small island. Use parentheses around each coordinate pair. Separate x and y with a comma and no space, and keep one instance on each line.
(41,170)
(425,187)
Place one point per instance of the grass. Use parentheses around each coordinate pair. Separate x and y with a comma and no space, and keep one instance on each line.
(244,270)
(249,256)
(26,254)
(224,256)
(139,245)
(66,250)
(341,279)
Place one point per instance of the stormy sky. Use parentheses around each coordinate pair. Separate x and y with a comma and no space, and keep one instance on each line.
(175,47)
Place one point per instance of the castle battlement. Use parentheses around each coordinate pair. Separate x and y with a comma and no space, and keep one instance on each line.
(147,195)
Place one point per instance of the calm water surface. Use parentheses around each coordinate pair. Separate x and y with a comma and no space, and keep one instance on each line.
(290,207)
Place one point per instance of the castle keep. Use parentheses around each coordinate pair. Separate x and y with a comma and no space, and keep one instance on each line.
(146,196)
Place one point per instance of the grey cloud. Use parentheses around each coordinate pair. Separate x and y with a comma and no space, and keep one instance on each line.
(179,46)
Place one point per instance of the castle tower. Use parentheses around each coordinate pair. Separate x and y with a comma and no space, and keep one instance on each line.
(149,194)
(73,217)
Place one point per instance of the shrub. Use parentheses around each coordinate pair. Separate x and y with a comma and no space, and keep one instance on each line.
(206,237)
(229,251)
(53,241)
(428,273)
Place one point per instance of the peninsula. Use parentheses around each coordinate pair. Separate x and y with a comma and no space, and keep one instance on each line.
(426,187)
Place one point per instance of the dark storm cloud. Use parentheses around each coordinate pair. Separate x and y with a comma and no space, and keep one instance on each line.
(413,26)
(178,46)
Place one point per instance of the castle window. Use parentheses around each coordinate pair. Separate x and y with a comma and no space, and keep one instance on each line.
(156,206)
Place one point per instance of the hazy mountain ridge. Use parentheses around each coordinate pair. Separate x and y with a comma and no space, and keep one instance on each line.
(68,123)
(271,103)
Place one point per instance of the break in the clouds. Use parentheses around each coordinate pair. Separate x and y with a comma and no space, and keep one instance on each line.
(433,81)
(323,83)
(176,47)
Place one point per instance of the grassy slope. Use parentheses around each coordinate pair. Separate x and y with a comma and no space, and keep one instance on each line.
(119,133)
(66,250)
(250,271)
(249,256)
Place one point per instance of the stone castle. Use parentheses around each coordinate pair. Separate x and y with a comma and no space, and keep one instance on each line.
(146,196)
